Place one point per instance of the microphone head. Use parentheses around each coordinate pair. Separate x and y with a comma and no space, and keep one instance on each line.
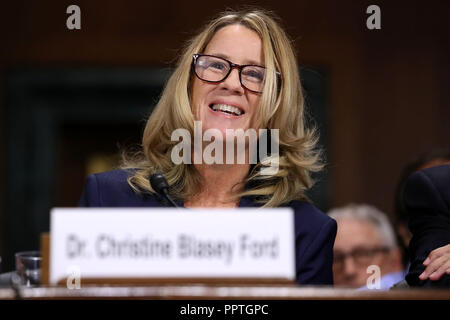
(158,183)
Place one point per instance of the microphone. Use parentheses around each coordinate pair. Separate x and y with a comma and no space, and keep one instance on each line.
(160,185)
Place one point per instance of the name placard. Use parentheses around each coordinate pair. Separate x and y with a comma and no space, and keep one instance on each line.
(172,243)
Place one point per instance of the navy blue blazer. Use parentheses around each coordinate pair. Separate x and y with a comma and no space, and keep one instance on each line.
(426,198)
(314,231)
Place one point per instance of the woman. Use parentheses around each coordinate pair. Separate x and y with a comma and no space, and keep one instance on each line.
(240,72)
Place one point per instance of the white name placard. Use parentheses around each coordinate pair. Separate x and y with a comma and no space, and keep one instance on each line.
(172,243)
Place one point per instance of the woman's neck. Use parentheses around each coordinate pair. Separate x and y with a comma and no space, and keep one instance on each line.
(221,184)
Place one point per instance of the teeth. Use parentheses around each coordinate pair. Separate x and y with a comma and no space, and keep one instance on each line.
(227,108)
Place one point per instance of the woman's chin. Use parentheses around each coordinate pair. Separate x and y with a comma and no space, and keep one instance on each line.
(223,126)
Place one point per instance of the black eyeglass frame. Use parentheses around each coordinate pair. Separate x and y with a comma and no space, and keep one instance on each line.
(232,66)
(369,252)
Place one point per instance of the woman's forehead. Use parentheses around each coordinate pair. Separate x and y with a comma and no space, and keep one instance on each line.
(238,44)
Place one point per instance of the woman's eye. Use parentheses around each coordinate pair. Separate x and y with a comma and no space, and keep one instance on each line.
(217,65)
(254,75)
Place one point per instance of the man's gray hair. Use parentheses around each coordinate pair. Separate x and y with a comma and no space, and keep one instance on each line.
(370,214)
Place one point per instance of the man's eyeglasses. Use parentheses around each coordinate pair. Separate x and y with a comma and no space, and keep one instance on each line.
(361,256)
(216,69)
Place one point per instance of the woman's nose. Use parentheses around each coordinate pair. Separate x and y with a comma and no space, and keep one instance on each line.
(232,82)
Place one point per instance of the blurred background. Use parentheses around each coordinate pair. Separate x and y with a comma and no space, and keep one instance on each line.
(71,99)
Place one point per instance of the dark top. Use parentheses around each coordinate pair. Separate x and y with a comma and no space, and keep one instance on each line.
(314,231)
(426,199)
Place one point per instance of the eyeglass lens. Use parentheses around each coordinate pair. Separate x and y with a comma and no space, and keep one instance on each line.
(215,69)
(360,256)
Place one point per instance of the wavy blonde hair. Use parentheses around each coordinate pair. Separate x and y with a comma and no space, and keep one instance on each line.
(281,107)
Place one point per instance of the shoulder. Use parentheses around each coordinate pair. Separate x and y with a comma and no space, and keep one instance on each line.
(315,233)
(116,176)
(111,189)
(428,189)
(307,216)
(438,173)
(111,181)
(435,178)
(313,228)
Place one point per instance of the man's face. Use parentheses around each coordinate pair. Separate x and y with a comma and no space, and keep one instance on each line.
(358,245)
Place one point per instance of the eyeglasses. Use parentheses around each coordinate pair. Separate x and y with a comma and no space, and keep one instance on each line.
(215,69)
(361,256)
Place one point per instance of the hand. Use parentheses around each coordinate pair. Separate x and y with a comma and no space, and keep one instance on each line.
(437,264)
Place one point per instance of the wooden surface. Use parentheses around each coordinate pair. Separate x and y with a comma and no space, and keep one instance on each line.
(45,253)
(181,281)
(211,292)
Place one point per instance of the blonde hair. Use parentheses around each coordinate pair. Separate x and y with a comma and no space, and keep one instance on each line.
(281,107)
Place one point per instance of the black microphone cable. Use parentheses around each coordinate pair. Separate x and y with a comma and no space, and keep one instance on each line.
(160,185)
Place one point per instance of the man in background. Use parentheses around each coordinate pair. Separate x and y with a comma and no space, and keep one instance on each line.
(431,158)
(426,199)
(365,238)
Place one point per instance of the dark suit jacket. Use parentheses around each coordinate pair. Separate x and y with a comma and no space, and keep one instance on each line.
(426,198)
(314,231)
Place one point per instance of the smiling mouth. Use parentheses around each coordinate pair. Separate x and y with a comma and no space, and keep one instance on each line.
(227,109)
